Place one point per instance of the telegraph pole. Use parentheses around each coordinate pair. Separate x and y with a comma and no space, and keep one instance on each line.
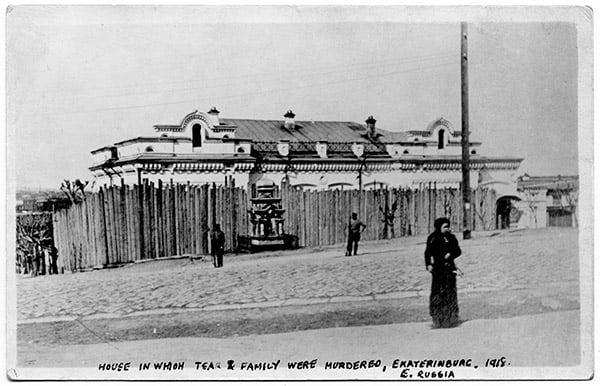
(361,168)
(464,96)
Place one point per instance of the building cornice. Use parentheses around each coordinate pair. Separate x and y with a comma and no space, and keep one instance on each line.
(170,159)
(99,150)
(153,139)
(308,164)
(388,164)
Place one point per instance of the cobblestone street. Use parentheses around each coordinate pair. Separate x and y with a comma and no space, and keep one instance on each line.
(529,259)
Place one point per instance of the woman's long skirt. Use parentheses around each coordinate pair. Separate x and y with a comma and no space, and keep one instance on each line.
(443,302)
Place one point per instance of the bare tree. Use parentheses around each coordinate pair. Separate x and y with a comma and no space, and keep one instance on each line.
(481,210)
(34,234)
(530,199)
(481,214)
(569,198)
(388,215)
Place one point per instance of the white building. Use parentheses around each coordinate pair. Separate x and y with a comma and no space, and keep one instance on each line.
(312,154)
(546,201)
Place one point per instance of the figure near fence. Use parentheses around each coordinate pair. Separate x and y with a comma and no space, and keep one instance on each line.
(355,228)
(53,260)
(217,239)
(442,248)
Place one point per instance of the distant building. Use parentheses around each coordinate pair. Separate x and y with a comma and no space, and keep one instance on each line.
(37,202)
(312,154)
(547,201)
(19,206)
(27,204)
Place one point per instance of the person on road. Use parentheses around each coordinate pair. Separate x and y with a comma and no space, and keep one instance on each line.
(53,260)
(217,246)
(442,248)
(355,228)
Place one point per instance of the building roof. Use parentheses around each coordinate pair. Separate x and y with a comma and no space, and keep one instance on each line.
(308,131)
(427,133)
(153,139)
(547,182)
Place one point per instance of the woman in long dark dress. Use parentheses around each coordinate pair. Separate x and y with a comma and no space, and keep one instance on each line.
(442,249)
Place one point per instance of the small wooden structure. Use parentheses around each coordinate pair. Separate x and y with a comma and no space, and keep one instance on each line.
(266,217)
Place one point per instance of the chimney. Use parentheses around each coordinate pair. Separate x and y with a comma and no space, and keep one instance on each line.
(214,116)
(289,122)
(371,131)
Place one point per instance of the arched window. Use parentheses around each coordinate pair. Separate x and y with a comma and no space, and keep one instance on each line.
(375,185)
(149,149)
(340,185)
(306,186)
(405,152)
(196,135)
(441,135)
(241,150)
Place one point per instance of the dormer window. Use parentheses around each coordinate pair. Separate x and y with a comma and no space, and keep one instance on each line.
(441,139)
(197,135)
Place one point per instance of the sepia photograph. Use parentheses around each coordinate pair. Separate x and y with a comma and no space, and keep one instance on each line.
(319,193)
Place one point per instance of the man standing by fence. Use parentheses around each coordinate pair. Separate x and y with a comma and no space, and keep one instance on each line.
(217,246)
(53,260)
(355,228)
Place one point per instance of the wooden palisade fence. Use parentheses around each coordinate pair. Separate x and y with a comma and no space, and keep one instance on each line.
(122,224)
(322,217)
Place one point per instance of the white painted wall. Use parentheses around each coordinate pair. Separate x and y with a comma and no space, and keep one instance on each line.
(131,178)
(100,157)
(241,179)
(214,147)
(140,147)
(183,147)
(322,180)
(533,208)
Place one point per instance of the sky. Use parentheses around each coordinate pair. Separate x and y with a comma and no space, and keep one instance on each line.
(80,78)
